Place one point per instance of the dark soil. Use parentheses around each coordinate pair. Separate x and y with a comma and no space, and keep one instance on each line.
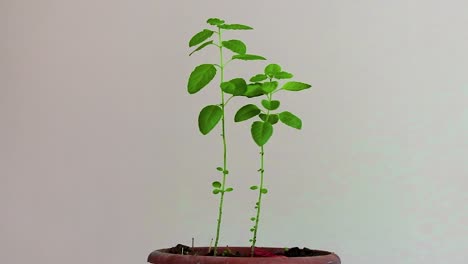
(291,252)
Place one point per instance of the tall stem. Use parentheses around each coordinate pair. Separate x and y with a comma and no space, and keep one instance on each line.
(223,135)
(259,202)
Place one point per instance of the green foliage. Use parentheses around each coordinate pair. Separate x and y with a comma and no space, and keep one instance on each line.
(235,46)
(295,86)
(254,187)
(272,69)
(235,27)
(269,87)
(229,189)
(290,119)
(254,90)
(271,105)
(200,77)
(272,118)
(283,75)
(246,112)
(247,57)
(216,184)
(264,190)
(261,132)
(201,47)
(208,118)
(258,78)
(200,37)
(236,86)
(215,21)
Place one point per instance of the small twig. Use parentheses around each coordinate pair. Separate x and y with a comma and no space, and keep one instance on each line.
(211,242)
(193,242)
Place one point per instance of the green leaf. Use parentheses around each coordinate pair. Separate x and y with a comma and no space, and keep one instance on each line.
(216,184)
(254,187)
(201,47)
(254,90)
(272,118)
(272,69)
(252,218)
(200,37)
(215,21)
(216,191)
(208,118)
(269,87)
(258,78)
(283,75)
(295,86)
(246,112)
(200,77)
(264,191)
(252,229)
(247,57)
(236,86)
(235,45)
(291,120)
(261,132)
(235,27)
(271,105)
(229,189)
(226,172)
(219,168)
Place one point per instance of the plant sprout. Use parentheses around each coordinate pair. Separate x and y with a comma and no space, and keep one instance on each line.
(262,130)
(202,75)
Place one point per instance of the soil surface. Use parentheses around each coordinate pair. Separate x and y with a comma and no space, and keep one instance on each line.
(258,252)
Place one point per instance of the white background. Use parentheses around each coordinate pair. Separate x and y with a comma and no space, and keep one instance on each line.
(101,160)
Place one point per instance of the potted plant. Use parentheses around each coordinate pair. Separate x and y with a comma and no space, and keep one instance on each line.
(265,84)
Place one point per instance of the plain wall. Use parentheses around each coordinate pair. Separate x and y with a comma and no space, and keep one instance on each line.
(101,160)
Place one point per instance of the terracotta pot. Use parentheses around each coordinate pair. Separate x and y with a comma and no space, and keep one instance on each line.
(161,256)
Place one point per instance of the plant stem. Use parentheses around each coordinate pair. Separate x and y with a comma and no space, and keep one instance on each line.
(223,134)
(259,202)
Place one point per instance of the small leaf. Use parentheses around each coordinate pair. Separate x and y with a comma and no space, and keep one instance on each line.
(235,27)
(272,69)
(215,21)
(201,47)
(200,77)
(254,90)
(295,86)
(271,105)
(290,119)
(269,87)
(226,172)
(219,168)
(252,229)
(216,191)
(235,45)
(247,57)
(208,118)
(261,132)
(229,189)
(264,191)
(236,86)
(283,75)
(250,240)
(200,37)
(254,187)
(272,118)
(258,78)
(216,184)
(252,219)
(246,112)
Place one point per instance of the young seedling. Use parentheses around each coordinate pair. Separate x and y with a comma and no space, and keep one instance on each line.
(202,75)
(262,130)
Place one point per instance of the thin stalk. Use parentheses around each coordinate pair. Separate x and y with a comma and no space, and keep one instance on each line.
(259,202)
(223,135)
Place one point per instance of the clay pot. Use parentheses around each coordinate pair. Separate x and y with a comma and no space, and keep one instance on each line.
(161,256)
